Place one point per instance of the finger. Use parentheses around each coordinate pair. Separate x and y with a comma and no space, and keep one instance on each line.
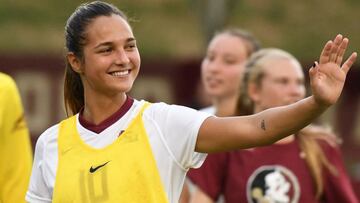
(342,50)
(325,53)
(313,71)
(349,62)
(316,66)
(334,49)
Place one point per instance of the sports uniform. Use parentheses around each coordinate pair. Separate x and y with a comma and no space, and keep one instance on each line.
(170,131)
(15,147)
(277,173)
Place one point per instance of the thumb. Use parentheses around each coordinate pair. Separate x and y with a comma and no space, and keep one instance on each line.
(313,70)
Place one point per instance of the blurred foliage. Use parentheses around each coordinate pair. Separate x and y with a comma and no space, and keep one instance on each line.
(301,27)
(173,28)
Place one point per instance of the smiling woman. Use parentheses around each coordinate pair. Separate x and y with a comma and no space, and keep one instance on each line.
(114,148)
(111,66)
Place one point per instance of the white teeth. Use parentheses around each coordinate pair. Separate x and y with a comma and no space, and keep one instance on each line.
(120,73)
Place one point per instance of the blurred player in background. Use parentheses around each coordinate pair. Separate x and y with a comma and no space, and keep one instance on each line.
(304,167)
(15,146)
(221,73)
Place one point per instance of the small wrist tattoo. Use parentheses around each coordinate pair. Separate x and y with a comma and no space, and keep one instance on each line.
(263,125)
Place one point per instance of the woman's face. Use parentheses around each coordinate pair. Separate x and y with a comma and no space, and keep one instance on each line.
(223,66)
(111,58)
(282,84)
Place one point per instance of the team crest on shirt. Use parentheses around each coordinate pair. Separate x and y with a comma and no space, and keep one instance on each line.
(273,184)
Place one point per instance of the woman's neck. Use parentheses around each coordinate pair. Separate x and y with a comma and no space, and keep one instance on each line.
(99,108)
(225,106)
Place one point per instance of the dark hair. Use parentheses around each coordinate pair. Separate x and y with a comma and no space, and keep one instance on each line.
(75,36)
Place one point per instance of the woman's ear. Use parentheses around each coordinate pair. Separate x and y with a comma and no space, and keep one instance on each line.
(254,92)
(74,62)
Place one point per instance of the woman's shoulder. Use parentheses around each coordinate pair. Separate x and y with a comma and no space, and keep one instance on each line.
(8,86)
(48,136)
(171,116)
(165,108)
(6,80)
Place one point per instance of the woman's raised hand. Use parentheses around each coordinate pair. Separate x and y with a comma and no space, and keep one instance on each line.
(327,77)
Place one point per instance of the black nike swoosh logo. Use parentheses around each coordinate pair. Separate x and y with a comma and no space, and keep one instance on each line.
(92,170)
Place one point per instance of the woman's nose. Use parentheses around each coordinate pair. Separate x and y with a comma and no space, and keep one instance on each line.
(213,66)
(121,57)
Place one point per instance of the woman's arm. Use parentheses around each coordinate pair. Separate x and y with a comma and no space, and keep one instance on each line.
(200,197)
(327,80)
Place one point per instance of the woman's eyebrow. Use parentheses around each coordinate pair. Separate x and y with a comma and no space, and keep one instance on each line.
(131,39)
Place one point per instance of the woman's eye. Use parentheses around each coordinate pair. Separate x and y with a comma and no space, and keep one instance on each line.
(210,57)
(229,61)
(131,46)
(284,81)
(107,50)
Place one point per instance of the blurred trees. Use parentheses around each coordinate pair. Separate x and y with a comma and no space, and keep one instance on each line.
(180,28)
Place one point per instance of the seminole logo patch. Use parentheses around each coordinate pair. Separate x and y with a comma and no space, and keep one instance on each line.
(273,184)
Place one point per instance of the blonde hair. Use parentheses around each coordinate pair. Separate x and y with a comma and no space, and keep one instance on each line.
(315,158)
(308,137)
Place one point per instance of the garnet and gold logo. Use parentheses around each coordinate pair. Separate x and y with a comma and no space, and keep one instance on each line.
(273,184)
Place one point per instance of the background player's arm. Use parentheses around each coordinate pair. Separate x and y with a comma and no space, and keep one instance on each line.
(200,197)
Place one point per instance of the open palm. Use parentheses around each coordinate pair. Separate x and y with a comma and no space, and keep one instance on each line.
(327,77)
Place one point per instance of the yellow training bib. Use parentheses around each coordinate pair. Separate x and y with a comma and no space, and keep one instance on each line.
(125,171)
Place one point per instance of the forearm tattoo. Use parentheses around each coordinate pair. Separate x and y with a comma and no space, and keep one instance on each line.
(263,125)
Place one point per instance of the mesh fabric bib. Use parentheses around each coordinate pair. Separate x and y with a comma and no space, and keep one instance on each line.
(124,171)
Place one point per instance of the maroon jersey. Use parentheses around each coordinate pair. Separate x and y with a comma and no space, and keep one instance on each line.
(275,173)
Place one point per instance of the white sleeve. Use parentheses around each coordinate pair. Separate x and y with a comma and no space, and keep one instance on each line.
(38,192)
(180,127)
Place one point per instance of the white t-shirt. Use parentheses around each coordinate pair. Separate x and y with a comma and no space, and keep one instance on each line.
(172,132)
(210,109)
(192,187)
